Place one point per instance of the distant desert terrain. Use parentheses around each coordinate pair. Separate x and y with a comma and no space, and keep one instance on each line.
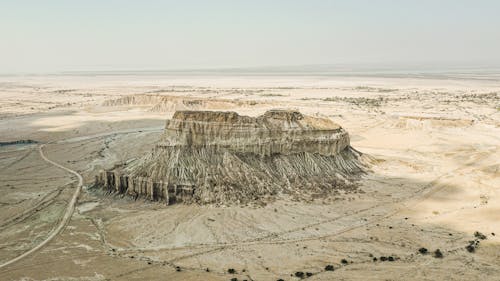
(428,207)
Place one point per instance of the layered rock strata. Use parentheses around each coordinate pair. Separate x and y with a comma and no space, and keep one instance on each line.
(163,103)
(223,157)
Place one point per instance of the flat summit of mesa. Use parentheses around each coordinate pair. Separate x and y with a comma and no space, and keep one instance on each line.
(223,157)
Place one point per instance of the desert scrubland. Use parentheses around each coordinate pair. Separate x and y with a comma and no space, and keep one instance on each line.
(427,208)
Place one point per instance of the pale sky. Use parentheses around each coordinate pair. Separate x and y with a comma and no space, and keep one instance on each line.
(52,36)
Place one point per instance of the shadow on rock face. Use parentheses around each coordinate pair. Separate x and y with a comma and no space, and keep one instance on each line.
(222,157)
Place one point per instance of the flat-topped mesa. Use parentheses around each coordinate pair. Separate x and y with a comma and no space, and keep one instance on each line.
(223,157)
(275,132)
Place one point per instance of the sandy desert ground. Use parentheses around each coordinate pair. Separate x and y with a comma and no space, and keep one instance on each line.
(434,182)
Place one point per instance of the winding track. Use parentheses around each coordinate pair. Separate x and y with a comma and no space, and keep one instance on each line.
(65,219)
(218,246)
(72,203)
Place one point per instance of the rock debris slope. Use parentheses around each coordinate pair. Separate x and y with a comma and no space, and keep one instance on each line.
(223,157)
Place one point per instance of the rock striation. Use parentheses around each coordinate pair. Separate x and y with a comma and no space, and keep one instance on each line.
(223,157)
(166,103)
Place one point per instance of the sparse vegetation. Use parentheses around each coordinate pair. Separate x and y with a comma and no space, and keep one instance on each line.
(375,89)
(423,251)
(361,101)
(438,254)
(470,248)
(386,258)
(479,235)
(299,274)
(307,207)
(273,95)
(473,245)
(17,142)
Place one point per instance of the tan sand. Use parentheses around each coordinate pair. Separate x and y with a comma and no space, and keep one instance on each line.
(436,181)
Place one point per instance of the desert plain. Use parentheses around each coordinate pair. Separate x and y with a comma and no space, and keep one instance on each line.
(427,208)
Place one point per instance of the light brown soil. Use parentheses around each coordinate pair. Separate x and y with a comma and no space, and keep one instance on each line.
(435,181)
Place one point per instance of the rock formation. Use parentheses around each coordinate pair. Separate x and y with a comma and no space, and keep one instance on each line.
(164,103)
(223,157)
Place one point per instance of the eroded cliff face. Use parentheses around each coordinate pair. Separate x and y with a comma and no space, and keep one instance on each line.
(223,157)
(275,132)
(166,103)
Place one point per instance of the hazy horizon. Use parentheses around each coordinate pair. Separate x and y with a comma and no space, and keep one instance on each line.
(62,36)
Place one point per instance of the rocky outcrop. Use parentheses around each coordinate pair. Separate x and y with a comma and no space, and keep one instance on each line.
(223,157)
(163,103)
(430,122)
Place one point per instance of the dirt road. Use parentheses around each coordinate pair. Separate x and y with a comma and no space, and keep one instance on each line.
(65,219)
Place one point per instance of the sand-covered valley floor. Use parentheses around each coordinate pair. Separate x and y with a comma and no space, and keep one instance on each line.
(432,190)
